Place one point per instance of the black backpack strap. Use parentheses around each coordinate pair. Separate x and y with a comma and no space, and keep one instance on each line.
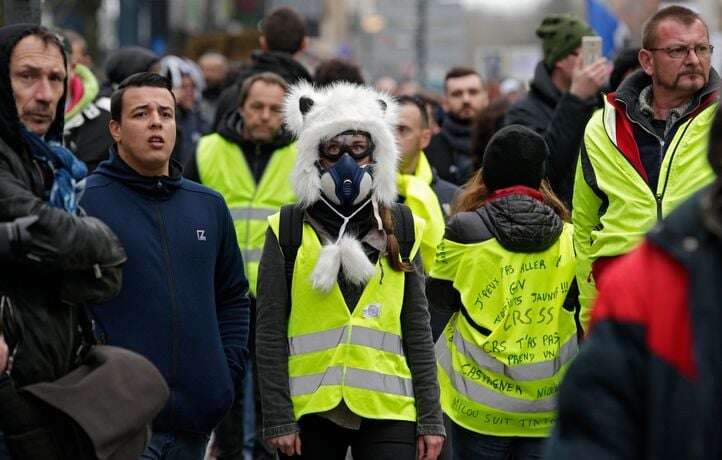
(404,230)
(290,232)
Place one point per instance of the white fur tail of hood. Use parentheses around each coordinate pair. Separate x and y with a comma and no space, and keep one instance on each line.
(346,253)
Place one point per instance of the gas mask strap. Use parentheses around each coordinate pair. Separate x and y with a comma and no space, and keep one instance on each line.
(377,215)
(345,219)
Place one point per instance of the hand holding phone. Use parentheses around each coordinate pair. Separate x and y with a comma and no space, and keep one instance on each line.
(592,70)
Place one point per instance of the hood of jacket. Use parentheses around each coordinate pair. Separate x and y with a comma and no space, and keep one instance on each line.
(127,61)
(543,87)
(158,187)
(9,120)
(521,223)
(281,63)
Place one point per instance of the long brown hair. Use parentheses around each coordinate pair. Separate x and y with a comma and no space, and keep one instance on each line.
(475,193)
(393,250)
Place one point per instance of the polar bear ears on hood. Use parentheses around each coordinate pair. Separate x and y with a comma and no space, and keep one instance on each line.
(314,115)
(303,99)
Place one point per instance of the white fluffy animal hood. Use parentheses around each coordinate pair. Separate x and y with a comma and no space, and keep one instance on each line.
(314,115)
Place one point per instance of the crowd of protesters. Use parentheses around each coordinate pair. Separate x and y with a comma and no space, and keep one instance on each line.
(189,249)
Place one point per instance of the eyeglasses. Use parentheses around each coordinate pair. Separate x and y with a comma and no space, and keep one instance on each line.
(679,52)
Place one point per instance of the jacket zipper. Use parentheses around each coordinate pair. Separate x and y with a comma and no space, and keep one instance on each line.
(669,168)
(171,286)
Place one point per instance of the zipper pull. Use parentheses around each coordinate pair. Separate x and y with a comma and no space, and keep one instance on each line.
(658,199)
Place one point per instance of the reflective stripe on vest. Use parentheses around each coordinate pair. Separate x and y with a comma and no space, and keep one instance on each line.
(484,396)
(252,213)
(222,167)
(357,378)
(536,371)
(336,354)
(251,255)
(324,340)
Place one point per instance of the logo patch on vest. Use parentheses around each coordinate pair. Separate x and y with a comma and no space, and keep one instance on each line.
(201,235)
(372,310)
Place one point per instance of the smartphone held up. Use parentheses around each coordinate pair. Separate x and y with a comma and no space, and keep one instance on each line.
(591,50)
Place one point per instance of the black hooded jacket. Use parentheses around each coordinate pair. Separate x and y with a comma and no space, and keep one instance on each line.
(561,119)
(277,62)
(46,287)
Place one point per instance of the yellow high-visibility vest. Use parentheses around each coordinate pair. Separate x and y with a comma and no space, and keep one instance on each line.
(503,380)
(614,207)
(423,202)
(336,355)
(222,167)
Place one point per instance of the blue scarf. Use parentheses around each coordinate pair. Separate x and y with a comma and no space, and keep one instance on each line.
(68,171)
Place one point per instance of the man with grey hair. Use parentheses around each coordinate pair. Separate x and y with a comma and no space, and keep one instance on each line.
(248,161)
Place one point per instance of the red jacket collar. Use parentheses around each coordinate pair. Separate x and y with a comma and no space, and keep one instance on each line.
(515,190)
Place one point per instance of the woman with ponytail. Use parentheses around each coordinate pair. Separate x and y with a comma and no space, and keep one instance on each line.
(345,352)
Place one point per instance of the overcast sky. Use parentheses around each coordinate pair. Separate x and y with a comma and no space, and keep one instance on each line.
(506,6)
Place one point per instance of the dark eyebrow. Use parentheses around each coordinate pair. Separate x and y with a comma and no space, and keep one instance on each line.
(32,68)
(147,106)
(139,107)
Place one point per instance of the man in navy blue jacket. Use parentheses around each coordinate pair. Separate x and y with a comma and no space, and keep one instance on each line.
(184,302)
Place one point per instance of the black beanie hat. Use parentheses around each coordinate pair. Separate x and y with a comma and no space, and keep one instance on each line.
(515,155)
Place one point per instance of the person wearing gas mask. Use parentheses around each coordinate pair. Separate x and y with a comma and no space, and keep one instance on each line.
(342,323)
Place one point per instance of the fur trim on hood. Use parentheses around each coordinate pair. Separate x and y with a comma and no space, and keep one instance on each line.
(314,114)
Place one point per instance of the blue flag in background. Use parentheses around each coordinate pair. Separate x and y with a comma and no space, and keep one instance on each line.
(605,23)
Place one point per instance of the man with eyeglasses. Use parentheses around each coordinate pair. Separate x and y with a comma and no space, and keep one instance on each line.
(645,151)
(248,161)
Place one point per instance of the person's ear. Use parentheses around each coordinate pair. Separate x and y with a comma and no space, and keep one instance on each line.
(304,44)
(262,43)
(114,127)
(424,138)
(646,61)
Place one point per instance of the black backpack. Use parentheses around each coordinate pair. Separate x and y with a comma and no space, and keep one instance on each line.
(290,232)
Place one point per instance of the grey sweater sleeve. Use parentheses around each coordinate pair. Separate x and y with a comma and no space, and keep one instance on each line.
(419,350)
(272,307)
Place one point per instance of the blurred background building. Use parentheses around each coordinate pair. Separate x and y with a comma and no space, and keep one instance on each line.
(409,40)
